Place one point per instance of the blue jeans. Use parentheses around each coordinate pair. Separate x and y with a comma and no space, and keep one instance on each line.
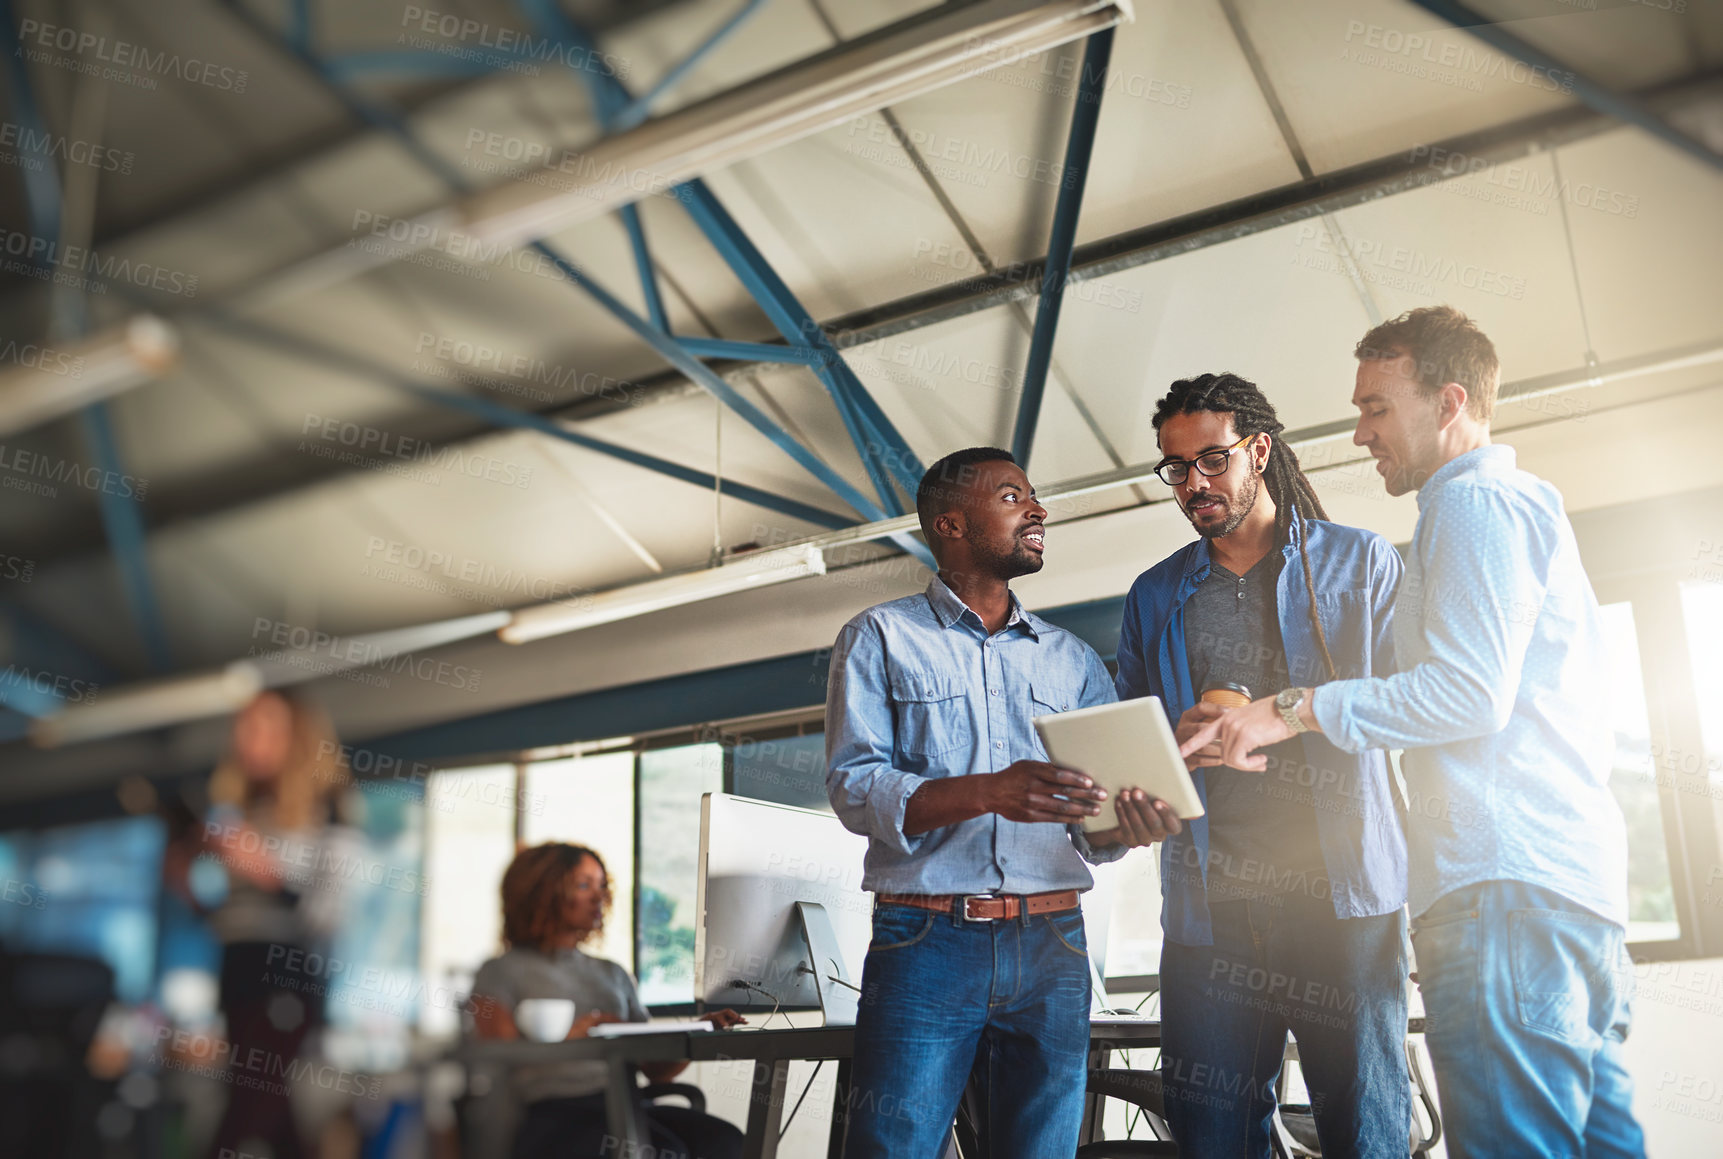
(1286,963)
(942,997)
(1526,1003)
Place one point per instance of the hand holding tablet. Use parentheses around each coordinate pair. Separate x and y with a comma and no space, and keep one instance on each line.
(1122,747)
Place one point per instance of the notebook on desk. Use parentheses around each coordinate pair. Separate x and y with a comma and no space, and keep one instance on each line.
(621,1029)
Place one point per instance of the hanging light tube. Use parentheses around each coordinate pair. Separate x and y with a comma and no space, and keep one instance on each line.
(756,570)
(50,382)
(905,60)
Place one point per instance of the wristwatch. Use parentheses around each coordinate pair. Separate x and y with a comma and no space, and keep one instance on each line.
(1288,702)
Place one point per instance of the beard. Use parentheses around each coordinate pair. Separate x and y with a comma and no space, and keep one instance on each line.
(1236,509)
(1008,558)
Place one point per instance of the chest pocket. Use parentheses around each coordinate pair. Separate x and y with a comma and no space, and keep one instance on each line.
(932,715)
(1045,698)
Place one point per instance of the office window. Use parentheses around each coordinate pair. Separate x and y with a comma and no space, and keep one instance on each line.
(469,841)
(790,770)
(1134,937)
(1702,609)
(378,994)
(590,801)
(671,781)
(90,890)
(1650,889)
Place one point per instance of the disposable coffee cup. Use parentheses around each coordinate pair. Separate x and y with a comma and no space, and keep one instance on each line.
(1226,695)
(545,1019)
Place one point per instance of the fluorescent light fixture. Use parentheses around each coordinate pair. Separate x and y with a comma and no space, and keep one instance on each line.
(311,654)
(51,381)
(161,703)
(904,60)
(151,705)
(918,55)
(755,570)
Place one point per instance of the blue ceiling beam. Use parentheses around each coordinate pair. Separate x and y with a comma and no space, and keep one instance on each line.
(42,669)
(386,120)
(882,450)
(504,416)
(638,109)
(42,178)
(630,215)
(750,351)
(120,517)
(125,527)
(1627,109)
(405,62)
(1079,146)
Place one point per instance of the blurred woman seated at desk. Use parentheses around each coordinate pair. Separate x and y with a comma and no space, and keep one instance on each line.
(555,897)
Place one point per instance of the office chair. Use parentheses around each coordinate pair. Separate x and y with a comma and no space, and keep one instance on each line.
(487,1112)
(1294,1127)
(50,1007)
(696,1097)
(1141,1089)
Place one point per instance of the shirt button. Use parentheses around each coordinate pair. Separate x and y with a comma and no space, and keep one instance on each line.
(998,744)
(996,692)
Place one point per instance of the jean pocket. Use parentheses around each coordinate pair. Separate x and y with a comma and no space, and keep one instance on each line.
(1560,962)
(1458,906)
(897,926)
(1068,928)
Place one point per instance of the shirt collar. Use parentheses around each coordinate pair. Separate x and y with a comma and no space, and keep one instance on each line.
(1200,559)
(948,609)
(1496,456)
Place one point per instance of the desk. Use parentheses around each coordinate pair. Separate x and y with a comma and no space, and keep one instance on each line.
(771,1052)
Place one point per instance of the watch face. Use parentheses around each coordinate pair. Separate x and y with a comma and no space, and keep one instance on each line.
(1288,698)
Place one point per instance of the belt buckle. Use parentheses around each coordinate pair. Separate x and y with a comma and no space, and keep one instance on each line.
(969,917)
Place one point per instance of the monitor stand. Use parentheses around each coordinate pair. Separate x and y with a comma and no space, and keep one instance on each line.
(838,995)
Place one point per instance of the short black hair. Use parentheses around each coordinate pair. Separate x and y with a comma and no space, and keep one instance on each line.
(942,482)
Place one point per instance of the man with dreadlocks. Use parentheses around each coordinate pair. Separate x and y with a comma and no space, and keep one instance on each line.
(1282,903)
(1518,875)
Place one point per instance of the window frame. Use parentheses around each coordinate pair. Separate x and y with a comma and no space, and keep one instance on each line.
(1690,827)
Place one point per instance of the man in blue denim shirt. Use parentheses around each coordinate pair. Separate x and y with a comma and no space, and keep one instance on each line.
(1518,849)
(1282,903)
(976,855)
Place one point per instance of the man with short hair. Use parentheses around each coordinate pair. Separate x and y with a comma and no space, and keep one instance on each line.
(1518,876)
(976,855)
(1283,901)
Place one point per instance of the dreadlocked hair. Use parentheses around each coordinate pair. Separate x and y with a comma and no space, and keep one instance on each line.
(1294,497)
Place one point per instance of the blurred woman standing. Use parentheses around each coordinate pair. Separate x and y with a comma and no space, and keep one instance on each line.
(274,827)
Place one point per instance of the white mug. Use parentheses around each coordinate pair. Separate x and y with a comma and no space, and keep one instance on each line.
(545,1019)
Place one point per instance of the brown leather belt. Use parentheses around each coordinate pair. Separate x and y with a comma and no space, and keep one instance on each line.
(982,907)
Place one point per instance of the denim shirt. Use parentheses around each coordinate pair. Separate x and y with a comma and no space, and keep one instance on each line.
(1502,698)
(1357,821)
(919,690)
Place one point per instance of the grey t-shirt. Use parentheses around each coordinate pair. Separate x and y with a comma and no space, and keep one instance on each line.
(593,984)
(1262,826)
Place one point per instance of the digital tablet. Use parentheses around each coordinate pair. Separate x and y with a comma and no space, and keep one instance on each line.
(1128,745)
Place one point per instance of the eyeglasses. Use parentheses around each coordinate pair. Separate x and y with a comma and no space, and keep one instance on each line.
(1176,471)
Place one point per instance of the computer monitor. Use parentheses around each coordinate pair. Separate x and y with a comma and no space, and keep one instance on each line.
(782,916)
